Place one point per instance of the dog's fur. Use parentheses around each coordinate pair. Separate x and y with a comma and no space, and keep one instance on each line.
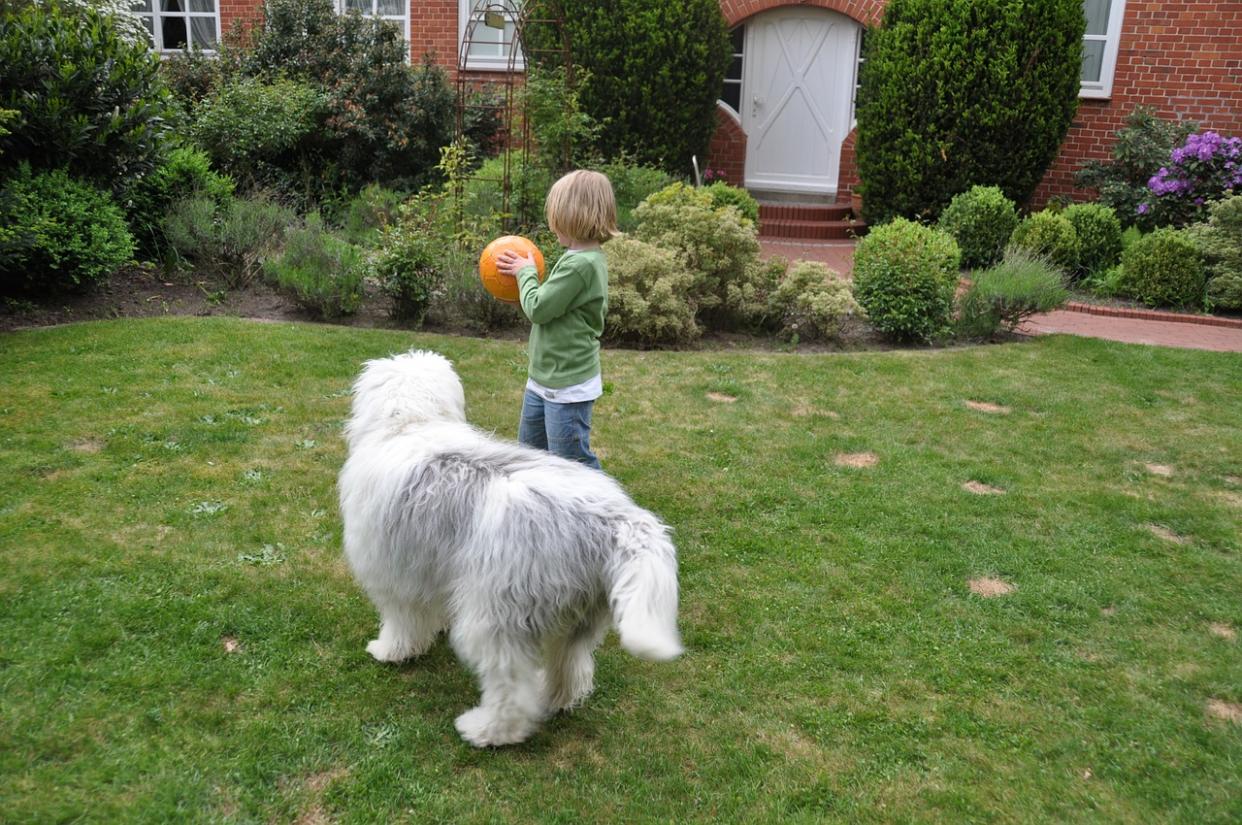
(525,558)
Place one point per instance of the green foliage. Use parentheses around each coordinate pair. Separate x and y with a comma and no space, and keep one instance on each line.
(632,183)
(1220,241)
(58,233)
(1051,235)
(725,195)
(324,273)
(905,275)
(1165,269)
(981,220)
(811,301)
(186,171)
(369,212)
(655,68)
(1007,294)
(564,134)
(1142,146)
(260,132)
(229,240)
(1099,236)
(1109,283)
(955,93)
(716,245)
(650,295)
(89,99)
(409,264)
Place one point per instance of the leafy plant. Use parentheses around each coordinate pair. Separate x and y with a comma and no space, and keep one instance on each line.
(981,220)
(324,273)
(632,183)
(370,212)
(1142,146)
(1220,241)
(1206,167)
(1007,294)
(1098,232)
(650,295)
(564,134)
(186,171)
(725,195)
(58,233)
(229,240)
(955,93)
(1049,234)
(905,275)
(811,301)
(1164,268)
(408,267)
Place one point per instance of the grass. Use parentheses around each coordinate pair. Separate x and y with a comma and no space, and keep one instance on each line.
(183,642)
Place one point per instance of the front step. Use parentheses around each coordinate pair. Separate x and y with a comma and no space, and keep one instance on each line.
(809,221)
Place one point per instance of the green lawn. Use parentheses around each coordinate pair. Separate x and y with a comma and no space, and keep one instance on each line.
(180,639)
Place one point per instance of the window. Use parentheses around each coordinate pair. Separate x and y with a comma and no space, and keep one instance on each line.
(1099,47)
(493,34)
(398,11)
(180,25)
(731,95)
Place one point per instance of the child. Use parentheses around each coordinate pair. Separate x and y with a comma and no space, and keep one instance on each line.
(566,312)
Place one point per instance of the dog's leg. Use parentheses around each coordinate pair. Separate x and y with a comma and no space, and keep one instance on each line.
(512,705)
(406,630)
(571,663)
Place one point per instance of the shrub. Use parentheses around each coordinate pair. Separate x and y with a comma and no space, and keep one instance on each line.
(1142,147)
(655,70)
(1109,283)
(1220,241)
(717,246)
(1007,294)
(89,99)
(323,272)
(981,221)
(955,93)
(725,195)
(1051,235)
(650,298)
(408,267)
(369,212)
(1164,269)
(183,173)
(632,183)
(58,233)
(905,275)
(564,133)
(811,301)
(229,240)
(462,300)
(1206,167)
(1099,236)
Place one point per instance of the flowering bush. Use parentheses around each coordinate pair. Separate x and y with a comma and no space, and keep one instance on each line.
(1205,168)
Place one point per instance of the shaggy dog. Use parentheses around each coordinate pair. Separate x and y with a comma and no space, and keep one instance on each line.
(525,558)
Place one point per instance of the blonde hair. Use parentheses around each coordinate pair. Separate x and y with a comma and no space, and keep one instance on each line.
(581,207)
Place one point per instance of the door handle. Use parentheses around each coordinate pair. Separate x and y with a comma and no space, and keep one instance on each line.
(755,103)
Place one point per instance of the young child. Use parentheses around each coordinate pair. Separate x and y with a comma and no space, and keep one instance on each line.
(566,312)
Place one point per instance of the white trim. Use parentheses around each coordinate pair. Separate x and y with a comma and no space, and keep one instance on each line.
(483,64)
(156,33)
(1103,88)
(403,19)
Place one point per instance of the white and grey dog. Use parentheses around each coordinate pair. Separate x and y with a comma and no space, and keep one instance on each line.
(525,558)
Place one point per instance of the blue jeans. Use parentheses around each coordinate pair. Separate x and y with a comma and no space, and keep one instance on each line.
(561,429)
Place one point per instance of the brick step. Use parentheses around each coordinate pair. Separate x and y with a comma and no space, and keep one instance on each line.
(810,229)
(804,211)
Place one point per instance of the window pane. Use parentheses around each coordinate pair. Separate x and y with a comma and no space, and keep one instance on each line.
(202,5)
(486,42)
(732,95)
(739,36)
(363,6)
(1097,15)
(393,8)
(735,69)
(203,30)
(142,6)
(1092,60)
(173,5)
(173,29)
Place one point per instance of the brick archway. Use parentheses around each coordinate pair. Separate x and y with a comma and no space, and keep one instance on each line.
(867,12)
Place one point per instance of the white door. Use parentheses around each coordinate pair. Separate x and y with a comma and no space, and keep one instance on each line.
(797,87)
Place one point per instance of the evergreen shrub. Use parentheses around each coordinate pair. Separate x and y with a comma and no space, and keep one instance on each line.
(1051,235)
(1164,269)
(1098,231)
(981,220)
(905,276)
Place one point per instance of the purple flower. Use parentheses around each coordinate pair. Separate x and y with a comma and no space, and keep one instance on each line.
(1143,209)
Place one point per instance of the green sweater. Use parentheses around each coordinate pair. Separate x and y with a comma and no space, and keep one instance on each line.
(566,312)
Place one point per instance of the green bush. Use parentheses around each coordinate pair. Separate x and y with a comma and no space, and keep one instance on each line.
(905,275)
(655,69)
(1099,236)
(229,240)
(632,183)
(1220,241)
(184,172)
(1007,294)
(408,267)
(89,99)
(1165,269)
(462,301)
(650,295)
(954,93)
(725,195)
(981,221)
(717,246)
(324,273)
(564,134)
(1109,283)
(811,301)
(369,212)
(58,233)
(1051,235)
(1142,146)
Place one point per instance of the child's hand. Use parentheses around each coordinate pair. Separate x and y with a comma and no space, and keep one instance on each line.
(509,262)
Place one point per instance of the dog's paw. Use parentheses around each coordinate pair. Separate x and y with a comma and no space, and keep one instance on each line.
(388,652)
(481,728)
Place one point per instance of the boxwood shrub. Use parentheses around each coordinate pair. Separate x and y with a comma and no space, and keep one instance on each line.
(1099,236)
(1051,235)
(905,275)
(1164,269)
(981,220)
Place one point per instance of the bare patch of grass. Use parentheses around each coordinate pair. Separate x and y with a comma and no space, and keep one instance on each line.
(1228,711)
(990,588)
(1165,533)
(989,407)
(1222,631)
(721,398)
(1162,470)
(856,460)
(981,489)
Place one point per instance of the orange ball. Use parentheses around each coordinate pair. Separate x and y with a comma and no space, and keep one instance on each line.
(500,285)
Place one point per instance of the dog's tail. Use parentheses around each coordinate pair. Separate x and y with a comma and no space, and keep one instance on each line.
(643,594)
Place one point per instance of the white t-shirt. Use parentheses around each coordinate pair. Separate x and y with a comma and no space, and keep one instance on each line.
(588,390)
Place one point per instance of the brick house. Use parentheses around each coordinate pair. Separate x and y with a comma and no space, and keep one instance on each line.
(784,121)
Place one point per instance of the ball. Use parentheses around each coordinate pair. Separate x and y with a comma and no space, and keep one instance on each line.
(500,285)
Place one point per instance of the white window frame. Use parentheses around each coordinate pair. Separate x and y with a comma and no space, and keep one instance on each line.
(465,9)
(155,14)
(402,19)
(1103,88)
